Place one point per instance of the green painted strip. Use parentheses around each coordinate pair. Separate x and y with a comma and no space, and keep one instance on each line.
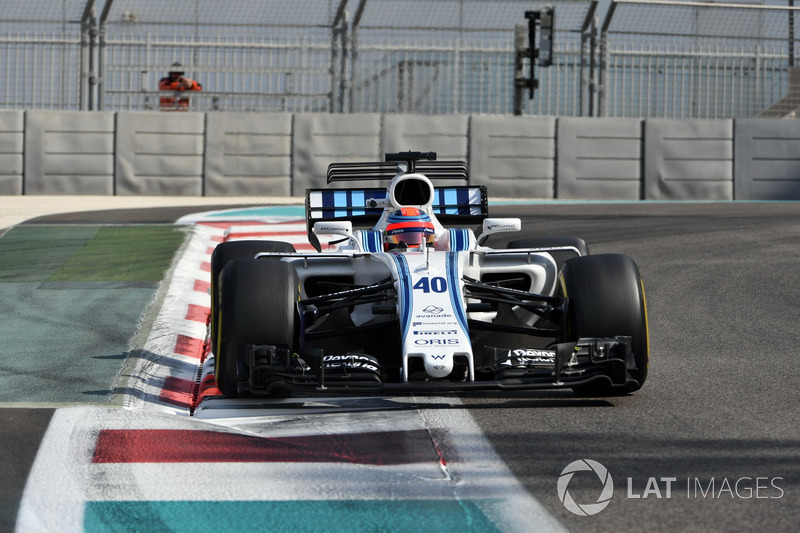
(123,253)
(346,516)
(34,253)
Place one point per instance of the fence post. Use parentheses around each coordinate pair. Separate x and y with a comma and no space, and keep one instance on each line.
(791,34)
(92,63)
(354,57)
(101,62)
(84,103)
(520,51)
(593,69)
(587,69)
(760,95)
(602,91)
(333,69)
(87,19)
(353,68)
(101,67)
(343,65)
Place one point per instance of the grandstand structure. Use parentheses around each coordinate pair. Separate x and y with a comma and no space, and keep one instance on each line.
(623,58)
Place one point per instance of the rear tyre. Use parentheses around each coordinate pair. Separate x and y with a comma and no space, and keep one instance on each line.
(606,298)
(226,252)
(554,242)
(257,305)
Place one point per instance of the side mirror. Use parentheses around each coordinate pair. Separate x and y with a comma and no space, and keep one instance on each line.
(498,225)
(343,228)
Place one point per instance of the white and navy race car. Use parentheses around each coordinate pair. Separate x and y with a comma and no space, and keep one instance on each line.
(403,297)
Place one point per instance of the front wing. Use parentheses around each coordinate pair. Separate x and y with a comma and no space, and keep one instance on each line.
(315,367)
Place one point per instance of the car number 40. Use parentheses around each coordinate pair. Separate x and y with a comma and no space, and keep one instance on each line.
(436,284)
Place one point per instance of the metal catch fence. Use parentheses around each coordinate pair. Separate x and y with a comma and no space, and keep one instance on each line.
(638,58)
(40,54)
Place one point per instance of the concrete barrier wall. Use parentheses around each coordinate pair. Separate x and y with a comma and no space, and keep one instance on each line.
(513,156)
(248,154)
(69,152)
(688,159)
(320,140)
(444,134)
(12,128)
(251,154)
(599,159)
(767,159)
(159,153)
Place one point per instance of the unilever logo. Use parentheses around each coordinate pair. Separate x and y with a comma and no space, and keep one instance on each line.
(585,509)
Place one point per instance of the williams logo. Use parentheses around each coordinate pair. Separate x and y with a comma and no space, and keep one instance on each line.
(585,509)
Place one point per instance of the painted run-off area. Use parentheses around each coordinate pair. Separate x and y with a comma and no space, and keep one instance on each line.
(72,298)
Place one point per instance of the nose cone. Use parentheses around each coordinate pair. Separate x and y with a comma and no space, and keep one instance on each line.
(438,365)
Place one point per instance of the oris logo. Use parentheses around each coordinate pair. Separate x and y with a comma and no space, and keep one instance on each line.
(436,342)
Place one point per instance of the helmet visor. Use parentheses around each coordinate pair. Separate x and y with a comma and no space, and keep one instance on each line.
(410,236)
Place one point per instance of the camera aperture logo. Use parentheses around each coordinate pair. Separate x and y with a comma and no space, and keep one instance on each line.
(585,509)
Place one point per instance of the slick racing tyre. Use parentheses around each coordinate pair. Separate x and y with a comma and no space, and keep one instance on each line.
(554,242)
(226,252)
(606,298)
(257,305)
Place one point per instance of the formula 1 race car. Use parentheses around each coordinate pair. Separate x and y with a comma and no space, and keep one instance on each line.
(415,302)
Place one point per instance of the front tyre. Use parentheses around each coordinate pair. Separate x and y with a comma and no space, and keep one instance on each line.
(606,298)
(226,252)
(257,305)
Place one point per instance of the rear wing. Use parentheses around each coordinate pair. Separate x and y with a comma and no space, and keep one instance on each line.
(453,206)
(447,170)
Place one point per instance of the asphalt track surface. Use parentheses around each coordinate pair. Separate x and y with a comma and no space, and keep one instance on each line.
(712,441)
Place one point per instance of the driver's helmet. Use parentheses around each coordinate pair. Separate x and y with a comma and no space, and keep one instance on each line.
(408,227)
